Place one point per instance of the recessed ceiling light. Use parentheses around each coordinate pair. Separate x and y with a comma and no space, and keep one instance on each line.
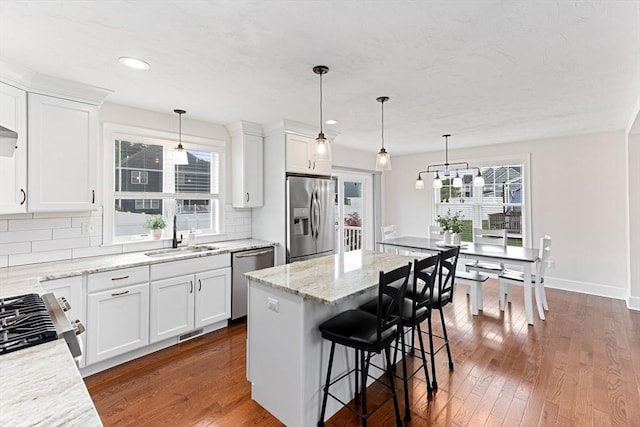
(331,122)
(135,63)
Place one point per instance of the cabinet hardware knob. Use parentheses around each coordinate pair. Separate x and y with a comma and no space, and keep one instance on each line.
(247,197)
(199,285)
(309,167)
(190,286)
(93,196)
(314,165)
(119,293)
(120,278)
(24,197)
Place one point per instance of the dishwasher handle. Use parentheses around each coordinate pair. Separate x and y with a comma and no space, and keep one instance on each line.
(250,254)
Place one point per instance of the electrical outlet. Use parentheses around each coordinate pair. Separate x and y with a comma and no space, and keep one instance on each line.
(551,263)
(273,304)
(85,227)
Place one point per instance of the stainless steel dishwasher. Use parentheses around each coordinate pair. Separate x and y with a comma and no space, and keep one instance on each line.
(243,262)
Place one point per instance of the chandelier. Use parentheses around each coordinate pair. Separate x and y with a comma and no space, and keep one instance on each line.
(445,171)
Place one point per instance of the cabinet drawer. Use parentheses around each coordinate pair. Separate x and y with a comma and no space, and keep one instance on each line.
(117,278)
(189,266)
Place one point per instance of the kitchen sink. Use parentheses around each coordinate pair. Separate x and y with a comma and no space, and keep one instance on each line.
(179,251)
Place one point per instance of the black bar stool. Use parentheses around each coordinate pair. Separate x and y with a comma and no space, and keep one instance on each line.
(416,309)
(441,296)
(368,333)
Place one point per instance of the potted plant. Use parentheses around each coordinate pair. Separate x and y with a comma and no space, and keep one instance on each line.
(155,224)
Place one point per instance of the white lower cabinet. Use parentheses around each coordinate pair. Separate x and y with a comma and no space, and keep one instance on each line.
(117,318)
(213,297)
(189,301)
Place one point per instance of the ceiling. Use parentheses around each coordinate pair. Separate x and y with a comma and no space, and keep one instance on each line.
(485,71)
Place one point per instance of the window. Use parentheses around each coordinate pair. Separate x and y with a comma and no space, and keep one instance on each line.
(143,181)
(500,204)
(139,177)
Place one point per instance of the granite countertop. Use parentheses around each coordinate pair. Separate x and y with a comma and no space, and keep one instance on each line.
(330,279)
(41,385)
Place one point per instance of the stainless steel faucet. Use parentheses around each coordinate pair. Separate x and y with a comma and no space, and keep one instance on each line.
(175,242)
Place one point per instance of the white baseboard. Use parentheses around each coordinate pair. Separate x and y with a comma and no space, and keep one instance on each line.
(633,303)
(586,288)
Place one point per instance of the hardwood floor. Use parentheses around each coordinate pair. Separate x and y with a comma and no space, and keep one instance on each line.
(579,367)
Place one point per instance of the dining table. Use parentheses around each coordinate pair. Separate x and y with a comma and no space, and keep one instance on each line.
(523,257)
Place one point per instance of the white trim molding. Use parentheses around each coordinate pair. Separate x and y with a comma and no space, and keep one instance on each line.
(598,289)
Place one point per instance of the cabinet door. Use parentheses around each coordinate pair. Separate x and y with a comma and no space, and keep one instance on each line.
(63,138)
(252,171)
(117,321)
(171,307)
(71,289)
(297,154)
(13,170)
(247,167)
(213,296)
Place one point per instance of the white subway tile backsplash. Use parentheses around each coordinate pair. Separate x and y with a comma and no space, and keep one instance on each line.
(97,251)
(15,248)
(41,215)
(66,233)
(42,237)
(38,224)
(17,216)
(25,236)
(32,258)
(54,245)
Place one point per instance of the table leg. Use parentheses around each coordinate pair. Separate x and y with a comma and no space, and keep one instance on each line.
(528,306)
(539,298)
(474,298)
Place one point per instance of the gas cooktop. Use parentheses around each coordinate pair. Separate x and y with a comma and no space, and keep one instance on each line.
(24,322)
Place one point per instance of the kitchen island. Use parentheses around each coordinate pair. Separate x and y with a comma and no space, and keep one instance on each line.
(287,358)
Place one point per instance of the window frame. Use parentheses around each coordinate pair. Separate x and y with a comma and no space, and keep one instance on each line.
(522,159)
(113,132)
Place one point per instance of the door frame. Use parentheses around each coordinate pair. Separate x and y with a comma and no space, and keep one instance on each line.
(368,220)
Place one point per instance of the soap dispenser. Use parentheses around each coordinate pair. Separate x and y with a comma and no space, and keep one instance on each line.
(191,240)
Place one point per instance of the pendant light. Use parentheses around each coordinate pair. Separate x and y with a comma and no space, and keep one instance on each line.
(383,160)
(323,150)
(179,153)
(478,180)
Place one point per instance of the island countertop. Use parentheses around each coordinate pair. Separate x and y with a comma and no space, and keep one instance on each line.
(330,279)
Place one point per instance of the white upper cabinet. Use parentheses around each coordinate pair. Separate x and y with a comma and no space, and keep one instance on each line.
(301,156)
(247,164)
(13,170)
(63,166)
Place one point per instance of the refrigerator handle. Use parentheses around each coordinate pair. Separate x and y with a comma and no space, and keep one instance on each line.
(316,212)
(312,216)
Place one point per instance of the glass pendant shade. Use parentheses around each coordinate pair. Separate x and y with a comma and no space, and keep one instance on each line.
(180,156)
(323,151)
(419,183)
(478,180)
(383,161)
(437,182)
(457,181)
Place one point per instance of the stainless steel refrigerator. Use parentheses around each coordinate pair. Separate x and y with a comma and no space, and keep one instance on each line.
(310,217)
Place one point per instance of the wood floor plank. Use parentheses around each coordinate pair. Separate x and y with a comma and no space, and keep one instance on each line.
(579,367)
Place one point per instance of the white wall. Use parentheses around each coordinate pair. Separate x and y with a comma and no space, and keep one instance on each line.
(578,197)
(633,146)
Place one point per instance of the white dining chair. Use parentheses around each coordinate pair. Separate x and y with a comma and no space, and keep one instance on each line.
(389,232)
(509,277)
(487,237)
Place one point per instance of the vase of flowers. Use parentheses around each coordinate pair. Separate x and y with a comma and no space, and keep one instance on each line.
(155,224)
(452,226)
